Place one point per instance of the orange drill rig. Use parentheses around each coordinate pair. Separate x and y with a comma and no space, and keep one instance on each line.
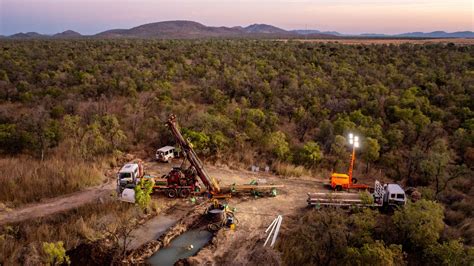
(345,181)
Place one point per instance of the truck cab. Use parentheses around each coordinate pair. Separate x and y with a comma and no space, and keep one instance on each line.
(394,195)
(165,154)
(129,174)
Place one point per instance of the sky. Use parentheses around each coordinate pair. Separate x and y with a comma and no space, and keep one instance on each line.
(345,16)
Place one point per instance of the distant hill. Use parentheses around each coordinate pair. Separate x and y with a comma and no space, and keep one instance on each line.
(310,32)
(438,34)
(183,29)
(434,34)
(264,28)
(67,34)
(170,30)
(28,35)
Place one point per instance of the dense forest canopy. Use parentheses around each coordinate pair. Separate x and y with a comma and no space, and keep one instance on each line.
(292,101)
(252,102)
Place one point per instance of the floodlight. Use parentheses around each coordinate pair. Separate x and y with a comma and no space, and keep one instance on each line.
(351,136)
(356,144)
(356,138)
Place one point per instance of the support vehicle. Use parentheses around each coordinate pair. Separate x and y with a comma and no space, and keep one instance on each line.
(387,196)
(166,153)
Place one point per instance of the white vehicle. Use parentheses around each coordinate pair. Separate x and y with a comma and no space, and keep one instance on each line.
(129,174)
(127,178)
(394,195)
(165,154)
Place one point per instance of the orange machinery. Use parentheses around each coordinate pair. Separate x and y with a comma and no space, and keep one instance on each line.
(345,181)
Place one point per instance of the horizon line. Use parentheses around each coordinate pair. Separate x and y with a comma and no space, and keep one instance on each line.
(295,29)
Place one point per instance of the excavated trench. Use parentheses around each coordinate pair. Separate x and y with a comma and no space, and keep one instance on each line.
(191,228)
(184,246)
(175,244)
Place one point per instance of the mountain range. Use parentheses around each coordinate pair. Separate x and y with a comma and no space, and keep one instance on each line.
(182,29)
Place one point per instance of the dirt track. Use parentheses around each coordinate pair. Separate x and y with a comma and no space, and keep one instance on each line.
(58,204)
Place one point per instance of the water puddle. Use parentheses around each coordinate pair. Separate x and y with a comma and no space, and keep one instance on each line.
(184,246)
(151,230)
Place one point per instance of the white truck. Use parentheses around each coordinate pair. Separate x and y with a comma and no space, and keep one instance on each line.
(127,178)
(384,196)
(166,153)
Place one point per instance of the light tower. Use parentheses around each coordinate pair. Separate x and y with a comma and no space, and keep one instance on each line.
(354,142)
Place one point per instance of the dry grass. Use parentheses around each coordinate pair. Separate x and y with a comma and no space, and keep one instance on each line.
(21,243)
(289,170)
(25,180)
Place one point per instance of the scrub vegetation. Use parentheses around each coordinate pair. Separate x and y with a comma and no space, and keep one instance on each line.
(66,105)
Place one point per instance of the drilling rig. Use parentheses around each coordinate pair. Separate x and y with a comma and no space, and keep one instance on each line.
(183,181)
(179,177)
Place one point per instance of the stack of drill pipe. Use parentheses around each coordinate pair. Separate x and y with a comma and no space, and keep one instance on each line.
(334,198)
(247,187)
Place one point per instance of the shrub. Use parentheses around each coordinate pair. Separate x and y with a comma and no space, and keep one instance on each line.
(143,193)
(420,223)
(317,238)
(310,154)
(277,144)
(56,253)
(451,252)
(288,170)
(426,193)
(376,253)
(366,198)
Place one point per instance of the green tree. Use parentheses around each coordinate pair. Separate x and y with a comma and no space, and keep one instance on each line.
(93,142)
(375,253)
(370,151)
(420,223)
(276,143)
(56,253)
(199,140)
(318,238)
(362,227)
(339,151)
(451,252)
(143,192)
(311,154)
(218,142)
(435,165)
(111,130)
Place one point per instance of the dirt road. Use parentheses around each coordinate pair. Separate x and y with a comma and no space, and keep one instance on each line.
(57,204)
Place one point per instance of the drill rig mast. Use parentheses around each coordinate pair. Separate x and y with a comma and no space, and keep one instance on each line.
(191,156)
